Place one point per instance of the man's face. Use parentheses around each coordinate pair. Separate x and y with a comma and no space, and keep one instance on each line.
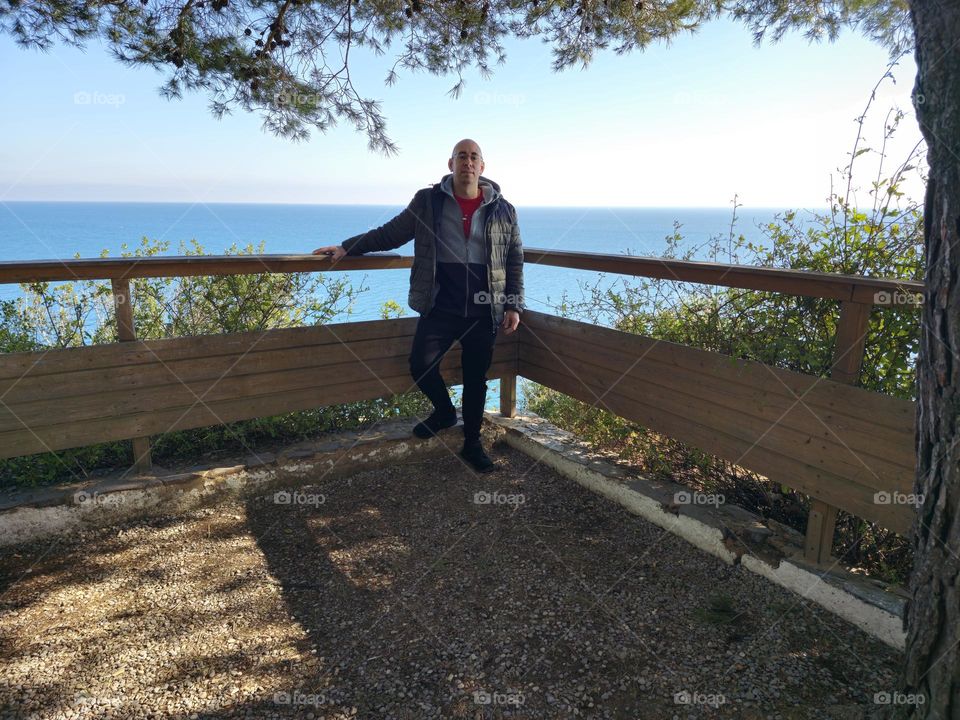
(467,162)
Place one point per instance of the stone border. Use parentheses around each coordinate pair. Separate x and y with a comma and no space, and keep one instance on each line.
(37,514)
(725,531)
(728,532)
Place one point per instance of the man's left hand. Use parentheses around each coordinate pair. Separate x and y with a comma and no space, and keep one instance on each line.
(511,321)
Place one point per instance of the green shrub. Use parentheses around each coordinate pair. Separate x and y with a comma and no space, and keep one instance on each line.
(791,332)
(74,314)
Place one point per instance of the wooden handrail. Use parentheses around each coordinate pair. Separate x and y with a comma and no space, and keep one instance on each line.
(857,296)
(752,277)
(792,282)
(186,266)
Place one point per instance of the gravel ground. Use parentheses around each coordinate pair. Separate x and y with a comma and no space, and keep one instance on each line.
(399,593)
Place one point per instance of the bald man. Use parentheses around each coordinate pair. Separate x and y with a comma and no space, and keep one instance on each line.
(466,283)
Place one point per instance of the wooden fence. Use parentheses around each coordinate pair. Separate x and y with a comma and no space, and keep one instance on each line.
(825,437)
(67,398)
(837,443)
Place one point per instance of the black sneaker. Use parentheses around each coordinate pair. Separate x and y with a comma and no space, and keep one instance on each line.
(437,421)
(477,458)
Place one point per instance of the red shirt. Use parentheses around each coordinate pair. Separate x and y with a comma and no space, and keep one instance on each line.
(467,208)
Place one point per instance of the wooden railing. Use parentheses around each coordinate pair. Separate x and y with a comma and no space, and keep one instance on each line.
(825,437)
(857,296)
(72,397)
(129,268)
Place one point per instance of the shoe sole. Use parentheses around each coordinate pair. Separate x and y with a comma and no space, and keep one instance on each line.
(475,468)
(434,432)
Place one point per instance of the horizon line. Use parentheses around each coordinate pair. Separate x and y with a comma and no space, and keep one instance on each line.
(344,204)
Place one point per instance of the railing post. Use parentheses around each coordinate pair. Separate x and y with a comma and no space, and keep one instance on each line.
(821,522)
(851,338)
(847,360)
(508,396)
(126,332)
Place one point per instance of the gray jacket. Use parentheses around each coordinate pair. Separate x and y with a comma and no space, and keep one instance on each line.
(423,222)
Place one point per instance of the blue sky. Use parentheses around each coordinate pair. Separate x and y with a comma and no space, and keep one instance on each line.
(684,125)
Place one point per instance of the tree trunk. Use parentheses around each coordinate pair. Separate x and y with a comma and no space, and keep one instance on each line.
(931,679)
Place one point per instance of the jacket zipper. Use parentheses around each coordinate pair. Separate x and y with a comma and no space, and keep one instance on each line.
(433,281)
(489,244)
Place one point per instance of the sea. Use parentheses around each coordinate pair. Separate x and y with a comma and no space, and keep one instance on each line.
(66,230)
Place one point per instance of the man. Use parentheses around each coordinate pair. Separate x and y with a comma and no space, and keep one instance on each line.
(466,282)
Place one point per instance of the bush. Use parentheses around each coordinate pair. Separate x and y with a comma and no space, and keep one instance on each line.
(796,333)
(81,313)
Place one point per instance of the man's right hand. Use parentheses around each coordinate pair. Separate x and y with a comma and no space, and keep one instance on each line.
(334,251)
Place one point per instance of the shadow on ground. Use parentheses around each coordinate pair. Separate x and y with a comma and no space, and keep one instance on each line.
(416,591)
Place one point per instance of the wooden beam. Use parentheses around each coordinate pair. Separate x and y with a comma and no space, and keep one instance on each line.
(705,402)
(847,360)
(792,282)
(308,339)
(230,409)
(824,396)
(849,344)
(837,490)
(184,266)
(835,442)
(126,332)
(821,523)
(508,396)
(207,381)
(857,419)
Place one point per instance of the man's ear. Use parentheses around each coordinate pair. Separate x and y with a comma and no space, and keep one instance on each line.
(450,164)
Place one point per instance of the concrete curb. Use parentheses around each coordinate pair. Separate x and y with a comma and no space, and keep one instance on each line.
(41,513)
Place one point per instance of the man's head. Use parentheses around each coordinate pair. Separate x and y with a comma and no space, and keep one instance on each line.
(466,162)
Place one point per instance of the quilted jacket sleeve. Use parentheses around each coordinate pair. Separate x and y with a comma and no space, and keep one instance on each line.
(514,270)
(388,236)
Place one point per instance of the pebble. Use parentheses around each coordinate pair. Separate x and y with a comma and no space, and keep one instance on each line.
(420,606)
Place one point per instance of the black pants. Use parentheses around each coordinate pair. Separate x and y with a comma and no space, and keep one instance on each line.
(434,336)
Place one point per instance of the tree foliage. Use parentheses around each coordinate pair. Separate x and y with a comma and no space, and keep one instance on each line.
(887,23)
(289,60)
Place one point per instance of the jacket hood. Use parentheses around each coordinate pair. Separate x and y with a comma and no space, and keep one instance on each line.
(490,189)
